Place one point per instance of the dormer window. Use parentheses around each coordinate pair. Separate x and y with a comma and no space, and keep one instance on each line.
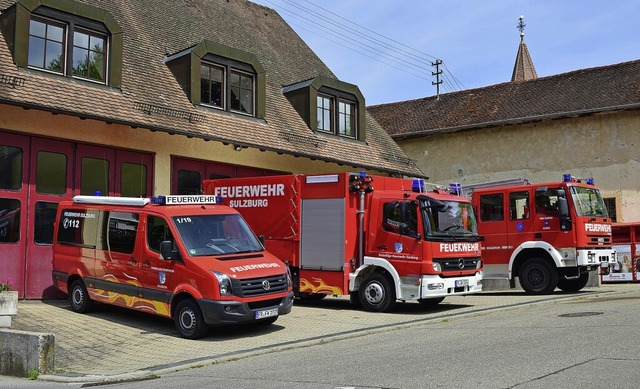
(218,81)
(67,49)
(227,79)
(329,106)
(60,37)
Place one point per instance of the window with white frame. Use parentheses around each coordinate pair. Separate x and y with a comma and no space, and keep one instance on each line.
(325,113)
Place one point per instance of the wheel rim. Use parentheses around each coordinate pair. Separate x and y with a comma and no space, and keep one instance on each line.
(536,277)
(187,320)
(77,297)
(374,293)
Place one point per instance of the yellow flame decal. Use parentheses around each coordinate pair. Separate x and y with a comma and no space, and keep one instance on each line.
(322,287)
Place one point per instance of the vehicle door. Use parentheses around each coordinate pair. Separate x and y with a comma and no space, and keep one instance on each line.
(520,224)
(158,277)
(397,235)
(492,225)
(118,258)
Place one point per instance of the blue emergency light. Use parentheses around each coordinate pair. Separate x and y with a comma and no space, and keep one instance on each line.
(417,185)
(456,188)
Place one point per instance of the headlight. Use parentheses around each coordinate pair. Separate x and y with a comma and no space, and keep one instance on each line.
(479,264)
(437,267)
(289,282)
(224,283)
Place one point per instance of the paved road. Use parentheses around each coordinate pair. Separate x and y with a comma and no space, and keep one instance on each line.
(113,344)
(584,342)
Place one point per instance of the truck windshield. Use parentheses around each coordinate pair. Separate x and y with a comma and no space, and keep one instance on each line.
(588,201)
(205,235)
(453,218)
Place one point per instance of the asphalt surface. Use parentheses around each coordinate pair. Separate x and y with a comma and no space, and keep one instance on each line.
(114,344)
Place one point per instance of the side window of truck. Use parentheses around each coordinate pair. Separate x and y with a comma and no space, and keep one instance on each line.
(519,205)
(157,232)
(400,218)
(78,227)
(492,207)
(547,201)
(121,231)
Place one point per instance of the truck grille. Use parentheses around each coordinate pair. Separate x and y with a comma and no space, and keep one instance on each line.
(598,240)
(260,286)
(457,264)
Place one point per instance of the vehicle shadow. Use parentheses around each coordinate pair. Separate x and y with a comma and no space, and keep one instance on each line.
(148,323)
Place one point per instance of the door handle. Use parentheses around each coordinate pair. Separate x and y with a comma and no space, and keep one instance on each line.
(382,247)
(133,260)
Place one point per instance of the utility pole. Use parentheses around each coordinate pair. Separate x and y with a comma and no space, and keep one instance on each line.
(437,73)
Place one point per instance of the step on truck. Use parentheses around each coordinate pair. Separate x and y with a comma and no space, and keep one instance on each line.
(340,236)
(547,235)
(188,258)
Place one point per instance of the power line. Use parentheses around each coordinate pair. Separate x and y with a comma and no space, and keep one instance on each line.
(368,43)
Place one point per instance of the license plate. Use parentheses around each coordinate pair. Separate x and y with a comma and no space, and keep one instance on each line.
(266,313)
(462,283)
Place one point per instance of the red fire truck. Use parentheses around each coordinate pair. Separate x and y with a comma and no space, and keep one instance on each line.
(548,235)
(339,236)
(626,243)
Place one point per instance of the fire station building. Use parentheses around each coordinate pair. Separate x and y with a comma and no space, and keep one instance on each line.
(130,98)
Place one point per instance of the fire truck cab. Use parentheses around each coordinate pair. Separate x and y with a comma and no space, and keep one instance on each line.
(183,257)
(548,235)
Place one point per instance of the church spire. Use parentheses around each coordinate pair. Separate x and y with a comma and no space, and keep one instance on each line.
(523,69)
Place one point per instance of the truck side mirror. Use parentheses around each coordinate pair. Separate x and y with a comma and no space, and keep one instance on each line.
(563,211)
(168,253)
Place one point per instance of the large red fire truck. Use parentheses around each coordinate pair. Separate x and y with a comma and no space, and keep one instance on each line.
(339,236)
(548,235)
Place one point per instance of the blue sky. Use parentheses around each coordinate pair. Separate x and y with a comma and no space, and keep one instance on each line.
(397,40)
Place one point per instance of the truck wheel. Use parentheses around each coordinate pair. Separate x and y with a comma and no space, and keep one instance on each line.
(575,284)
(79,298)
(537,276)
(377,293)
(189,320)
(430,302)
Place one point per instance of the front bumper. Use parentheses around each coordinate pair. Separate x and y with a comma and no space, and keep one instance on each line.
(436,286)
(224,313)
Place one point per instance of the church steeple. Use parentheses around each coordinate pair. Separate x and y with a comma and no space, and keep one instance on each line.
(523,70)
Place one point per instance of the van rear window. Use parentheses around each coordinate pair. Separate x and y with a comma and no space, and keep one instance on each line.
(101,230)
(78,227)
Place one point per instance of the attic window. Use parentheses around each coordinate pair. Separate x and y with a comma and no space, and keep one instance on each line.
(329,106)
(227,88)
(221,77)
(68,49)
(64,38)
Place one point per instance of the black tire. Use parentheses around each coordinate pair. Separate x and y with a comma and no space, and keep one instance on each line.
(537,276)
(79,297)
(377,293)
(354,299)
(573,285)
(431,302)
(189,320)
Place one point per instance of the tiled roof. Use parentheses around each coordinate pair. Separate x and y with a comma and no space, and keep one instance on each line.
(153,30)
(581,92)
